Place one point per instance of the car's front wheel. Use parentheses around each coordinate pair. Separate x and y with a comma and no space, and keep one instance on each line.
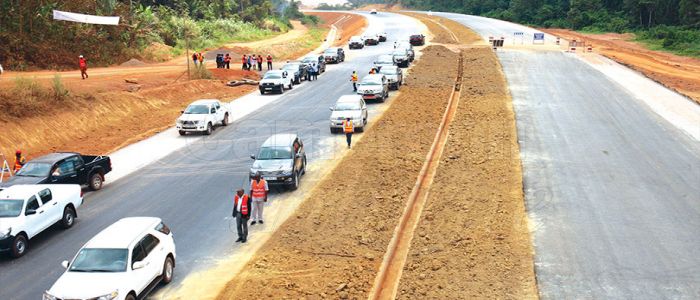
(68,217)
(130,297)
(182,132)
(168,270)
(209,129)
(19,246)
(295,181)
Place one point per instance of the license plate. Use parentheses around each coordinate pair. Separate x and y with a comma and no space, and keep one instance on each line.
(270,178)
(269,89)
(369,96)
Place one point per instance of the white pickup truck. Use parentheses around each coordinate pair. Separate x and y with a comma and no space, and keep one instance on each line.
(202,116)
(27,210)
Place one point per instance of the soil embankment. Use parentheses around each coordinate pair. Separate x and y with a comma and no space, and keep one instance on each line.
(676,72)
(348,24)
(333,245)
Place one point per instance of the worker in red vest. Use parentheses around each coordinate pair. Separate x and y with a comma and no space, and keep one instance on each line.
(82,62)
(19,161)
(269,62)
(348,129)
(227,61)
(241,211)
(244,62)
(258,192)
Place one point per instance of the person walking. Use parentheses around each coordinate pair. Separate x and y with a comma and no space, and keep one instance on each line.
(241,211)
(227,61)
(244,62)
(200,57)
(194,58)
(260,61)
(258,192)
(249,63)
(354,81)
(269,62)
(219,61)
(348,129)
(82,62)
(314,74)
(20,160)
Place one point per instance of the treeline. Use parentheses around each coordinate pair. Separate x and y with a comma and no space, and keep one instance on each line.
(31,38)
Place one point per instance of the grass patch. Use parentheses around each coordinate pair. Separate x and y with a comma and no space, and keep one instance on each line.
(676,40)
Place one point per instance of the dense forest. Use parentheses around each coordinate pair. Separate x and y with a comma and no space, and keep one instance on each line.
(31,38)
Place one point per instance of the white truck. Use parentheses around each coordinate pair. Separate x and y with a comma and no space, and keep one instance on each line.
(276,80)
(202,116)
(27,210)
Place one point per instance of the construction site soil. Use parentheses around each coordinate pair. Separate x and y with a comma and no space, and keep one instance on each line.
(348,24)
(676,72)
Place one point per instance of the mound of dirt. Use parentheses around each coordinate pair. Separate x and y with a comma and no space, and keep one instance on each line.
(233,74)
(133,63)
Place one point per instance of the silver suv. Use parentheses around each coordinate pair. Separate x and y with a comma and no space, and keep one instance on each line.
(280,160)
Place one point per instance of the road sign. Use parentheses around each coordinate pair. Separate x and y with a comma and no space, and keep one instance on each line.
(518,34)
(538,38)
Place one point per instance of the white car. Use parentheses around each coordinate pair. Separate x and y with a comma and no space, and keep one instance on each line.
(373,11)
(27,210)
(394,75)
(275,80)
(384,60)
(356,42)
(202,116)
(349,106)
(401,57)
(125,261)
(374,87)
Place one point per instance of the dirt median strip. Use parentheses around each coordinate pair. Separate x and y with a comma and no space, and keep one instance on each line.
(333,245)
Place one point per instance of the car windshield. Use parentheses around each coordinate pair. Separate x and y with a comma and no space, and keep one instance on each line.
(355,39)
(10,208)
(347,106)
(274,153)
(371,81)
(288,67)
(196,109)
(272,76)
(388,71)
(330,52)
(35,169)
(401,53)
(100,260)
(309,60)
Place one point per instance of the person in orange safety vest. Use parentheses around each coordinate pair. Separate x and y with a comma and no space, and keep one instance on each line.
(19,161)
(354,81)
(241,211)
(348,128)
(258,192)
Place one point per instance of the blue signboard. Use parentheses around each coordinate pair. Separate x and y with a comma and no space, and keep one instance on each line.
(539,36)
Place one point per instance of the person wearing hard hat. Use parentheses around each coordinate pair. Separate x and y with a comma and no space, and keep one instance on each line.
(19,161)
(82,62)
(354,81)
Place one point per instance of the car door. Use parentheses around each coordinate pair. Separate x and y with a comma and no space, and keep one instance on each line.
(140,277)
(33,216)
(363,104)
(64,172)
(219,112)
(154,255)
(52,211)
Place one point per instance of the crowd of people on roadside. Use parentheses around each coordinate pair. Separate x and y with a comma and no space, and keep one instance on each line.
(255,62)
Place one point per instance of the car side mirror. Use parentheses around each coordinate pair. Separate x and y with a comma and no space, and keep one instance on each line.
(65,264)
(139,265)
(30,212)
(182,111)
(252,156)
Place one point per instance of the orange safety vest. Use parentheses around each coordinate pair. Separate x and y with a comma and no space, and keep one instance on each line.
(347,126)
(354,77)
(258,188)
(371,71)
(18,163)
(244,205)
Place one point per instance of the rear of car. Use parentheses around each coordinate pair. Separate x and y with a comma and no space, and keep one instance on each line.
(371,39)
(417,40)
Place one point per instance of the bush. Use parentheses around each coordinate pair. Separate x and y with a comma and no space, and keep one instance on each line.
(200,72)
(59,91)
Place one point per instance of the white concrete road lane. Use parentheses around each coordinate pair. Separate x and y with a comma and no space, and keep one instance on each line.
(612,188)
(191,188)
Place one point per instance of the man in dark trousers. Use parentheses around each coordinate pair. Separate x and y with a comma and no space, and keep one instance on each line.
(82,62)
(348,129)
(241,211)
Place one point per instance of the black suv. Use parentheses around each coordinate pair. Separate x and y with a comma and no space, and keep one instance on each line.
(281,160)
(334,55)
(63,168)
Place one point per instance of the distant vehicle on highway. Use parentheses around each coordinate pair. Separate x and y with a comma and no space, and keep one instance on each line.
(394,75)
(356,42)
(275,80)
(417,40)
(297,70)
(382,36)
(318,59)
(401,57)
(374,87)
(349,106)
(63,168)
(202,116)
(334,55)
(373,11)
(281,160)
(371,39)
(384,60)
(125,261)
(27,210)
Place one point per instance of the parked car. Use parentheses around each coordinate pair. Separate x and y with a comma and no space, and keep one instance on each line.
(373,11)
(63,168)
(371,39)
(349,106)
(318,59)
(374,87)
(202,116)
(394,75)
(382,36)
(384,60)
(334,55)
(401,57)
(409,48)
(298,71)
(125,261)
(275,80)
(281,160)
(27,210)
(417,40)
(356,42)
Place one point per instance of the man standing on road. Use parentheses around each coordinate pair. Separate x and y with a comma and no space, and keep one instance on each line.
(244,62)
(269,62)
(258,191)
(348,128)
(241,211)
(315,68)
(227,61)
(194,58)
(259,62)
(82,62)
(19,161)
(354,81)
(253,61)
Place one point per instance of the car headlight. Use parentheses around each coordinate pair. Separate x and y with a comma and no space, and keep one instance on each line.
(287,172)
(110,296)
(5,233)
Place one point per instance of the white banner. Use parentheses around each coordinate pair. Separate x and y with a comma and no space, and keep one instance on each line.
(81,18)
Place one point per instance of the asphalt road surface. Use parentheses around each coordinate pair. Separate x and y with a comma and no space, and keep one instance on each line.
(612,189)
(191,189)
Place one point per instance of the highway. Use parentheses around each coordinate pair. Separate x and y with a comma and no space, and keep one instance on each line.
(191,189)
(612,188)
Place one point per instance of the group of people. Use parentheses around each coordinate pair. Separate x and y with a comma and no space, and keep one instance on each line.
(198,57)
(312,72)
(255,62)
(245,205)
(223,61)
